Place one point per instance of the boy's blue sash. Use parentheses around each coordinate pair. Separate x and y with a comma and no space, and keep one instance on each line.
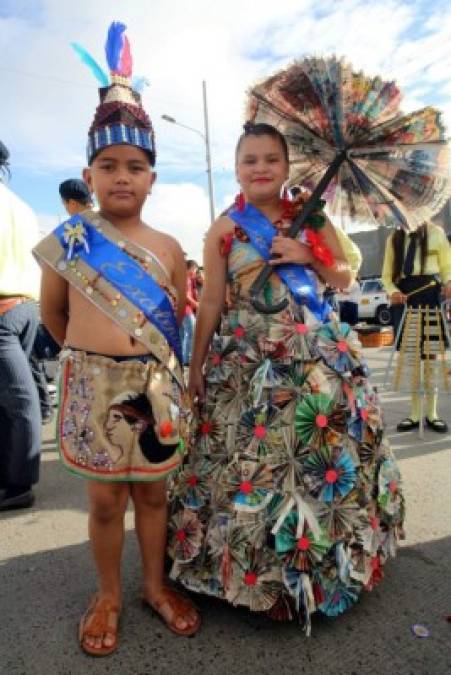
(300,282)
(80,238)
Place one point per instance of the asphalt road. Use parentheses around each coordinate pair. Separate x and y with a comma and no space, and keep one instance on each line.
(46,580)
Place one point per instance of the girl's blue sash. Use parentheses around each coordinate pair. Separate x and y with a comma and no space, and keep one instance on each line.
(300,281)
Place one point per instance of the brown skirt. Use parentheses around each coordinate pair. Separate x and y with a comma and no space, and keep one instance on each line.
(119,420)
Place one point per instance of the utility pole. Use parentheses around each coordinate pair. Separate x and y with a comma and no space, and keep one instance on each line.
(208,155)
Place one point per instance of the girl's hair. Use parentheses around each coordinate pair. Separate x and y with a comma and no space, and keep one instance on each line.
(262,129)
(398,243)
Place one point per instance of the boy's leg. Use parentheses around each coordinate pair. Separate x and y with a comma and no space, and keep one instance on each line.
(151,528)
(107,505)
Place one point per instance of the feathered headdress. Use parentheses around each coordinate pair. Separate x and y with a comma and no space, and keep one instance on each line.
(120,117)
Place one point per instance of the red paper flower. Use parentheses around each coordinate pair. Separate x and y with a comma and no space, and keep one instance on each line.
(192,480)
(166,428)
(301,328)
(260,431)
(205,428)
(313,238)
(319,249)
(226,244)
(250,578)
(377,573)
(321,421)
(246,487)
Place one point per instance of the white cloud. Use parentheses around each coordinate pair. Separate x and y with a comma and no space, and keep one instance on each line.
(176,46)
(181,210)
(47,222)
(50,96)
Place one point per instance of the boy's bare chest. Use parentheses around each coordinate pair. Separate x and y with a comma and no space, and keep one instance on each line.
(158,248)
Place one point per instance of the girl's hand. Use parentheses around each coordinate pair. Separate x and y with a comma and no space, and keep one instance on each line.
(196,386)
(287,250)
(447,290)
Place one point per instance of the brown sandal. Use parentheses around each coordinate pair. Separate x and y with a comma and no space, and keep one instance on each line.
(96,623)
(180,606)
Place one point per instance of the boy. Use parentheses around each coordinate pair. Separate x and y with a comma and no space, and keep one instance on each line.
(113,292)
(75,196)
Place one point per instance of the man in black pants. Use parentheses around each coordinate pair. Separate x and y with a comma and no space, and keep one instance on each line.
(20,426)
(417,272)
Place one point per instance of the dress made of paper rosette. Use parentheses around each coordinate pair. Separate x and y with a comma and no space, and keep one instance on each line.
(290,499)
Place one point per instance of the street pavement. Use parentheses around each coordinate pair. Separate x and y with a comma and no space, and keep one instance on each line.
(47,578)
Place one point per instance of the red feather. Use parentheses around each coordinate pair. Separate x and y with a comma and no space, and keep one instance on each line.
(125,63)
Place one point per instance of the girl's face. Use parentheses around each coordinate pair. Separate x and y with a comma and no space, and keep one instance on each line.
(261,168)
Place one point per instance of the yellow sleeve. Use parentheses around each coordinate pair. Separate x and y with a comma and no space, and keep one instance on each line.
(387,268)
(444,256)
(350,249)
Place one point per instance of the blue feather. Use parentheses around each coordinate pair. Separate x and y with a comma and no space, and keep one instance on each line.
(114,44)
(92,64)
(138,84)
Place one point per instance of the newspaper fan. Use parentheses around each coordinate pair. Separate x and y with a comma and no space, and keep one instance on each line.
(385,168)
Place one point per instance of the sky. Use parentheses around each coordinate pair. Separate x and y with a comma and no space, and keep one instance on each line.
(48,97)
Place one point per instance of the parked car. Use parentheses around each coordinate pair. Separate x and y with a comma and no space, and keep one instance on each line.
(374,302)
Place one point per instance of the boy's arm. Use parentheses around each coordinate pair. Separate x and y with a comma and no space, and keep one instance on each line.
(179,280)
(54,303)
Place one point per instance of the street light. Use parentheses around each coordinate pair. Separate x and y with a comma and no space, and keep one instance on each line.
(206,138)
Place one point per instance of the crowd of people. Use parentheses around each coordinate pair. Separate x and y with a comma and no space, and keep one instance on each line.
(284,495)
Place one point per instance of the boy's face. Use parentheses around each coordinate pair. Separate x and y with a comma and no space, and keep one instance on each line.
(121,178)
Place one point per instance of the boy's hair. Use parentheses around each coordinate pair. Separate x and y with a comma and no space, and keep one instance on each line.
(262,129)
(76,189)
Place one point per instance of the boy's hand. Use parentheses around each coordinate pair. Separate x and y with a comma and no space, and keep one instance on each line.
(196,386)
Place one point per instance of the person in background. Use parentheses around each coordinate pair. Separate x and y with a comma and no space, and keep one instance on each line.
(410,263)
(199,281)
(44,349)
(20,428)
(349,308)
(351,250)
(192,303)
(75,196)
